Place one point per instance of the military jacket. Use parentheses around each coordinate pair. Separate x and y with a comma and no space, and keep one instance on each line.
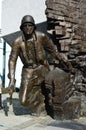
(33,50)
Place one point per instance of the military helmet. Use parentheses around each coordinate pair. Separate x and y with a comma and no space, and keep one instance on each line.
(27,19)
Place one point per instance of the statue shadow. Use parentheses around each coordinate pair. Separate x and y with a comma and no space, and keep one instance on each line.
(16,108)
(72,125)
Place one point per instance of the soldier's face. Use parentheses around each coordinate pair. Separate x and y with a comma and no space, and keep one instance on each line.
(28,28)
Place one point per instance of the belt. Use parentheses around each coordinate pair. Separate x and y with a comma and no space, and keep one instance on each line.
(30,66)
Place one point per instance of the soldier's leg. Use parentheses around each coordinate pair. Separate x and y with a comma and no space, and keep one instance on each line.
(30,90)
(37,98)
(25,81)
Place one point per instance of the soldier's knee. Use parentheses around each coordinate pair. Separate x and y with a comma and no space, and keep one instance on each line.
(23,102)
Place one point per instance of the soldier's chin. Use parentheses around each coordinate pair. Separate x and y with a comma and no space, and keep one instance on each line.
(29,33)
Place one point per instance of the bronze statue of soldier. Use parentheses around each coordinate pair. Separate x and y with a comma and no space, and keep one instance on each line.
(31,47)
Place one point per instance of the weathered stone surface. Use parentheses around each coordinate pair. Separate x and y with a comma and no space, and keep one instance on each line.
(59,89)
(72,107)
(72,16)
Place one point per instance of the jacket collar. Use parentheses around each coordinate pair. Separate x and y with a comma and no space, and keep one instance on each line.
(34,38)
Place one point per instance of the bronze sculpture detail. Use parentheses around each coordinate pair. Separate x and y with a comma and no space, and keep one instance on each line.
(31,47)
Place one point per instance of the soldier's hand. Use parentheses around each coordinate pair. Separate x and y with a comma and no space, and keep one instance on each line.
(66,65)
(11,87)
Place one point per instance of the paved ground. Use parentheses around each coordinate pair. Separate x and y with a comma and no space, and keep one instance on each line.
(17,117)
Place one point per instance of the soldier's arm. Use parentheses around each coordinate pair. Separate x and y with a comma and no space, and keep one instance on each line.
(51,48)
(12,61)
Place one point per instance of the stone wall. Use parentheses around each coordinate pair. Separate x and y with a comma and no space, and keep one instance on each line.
(66,25)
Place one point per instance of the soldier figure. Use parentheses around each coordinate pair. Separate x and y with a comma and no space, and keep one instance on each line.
(31,48)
